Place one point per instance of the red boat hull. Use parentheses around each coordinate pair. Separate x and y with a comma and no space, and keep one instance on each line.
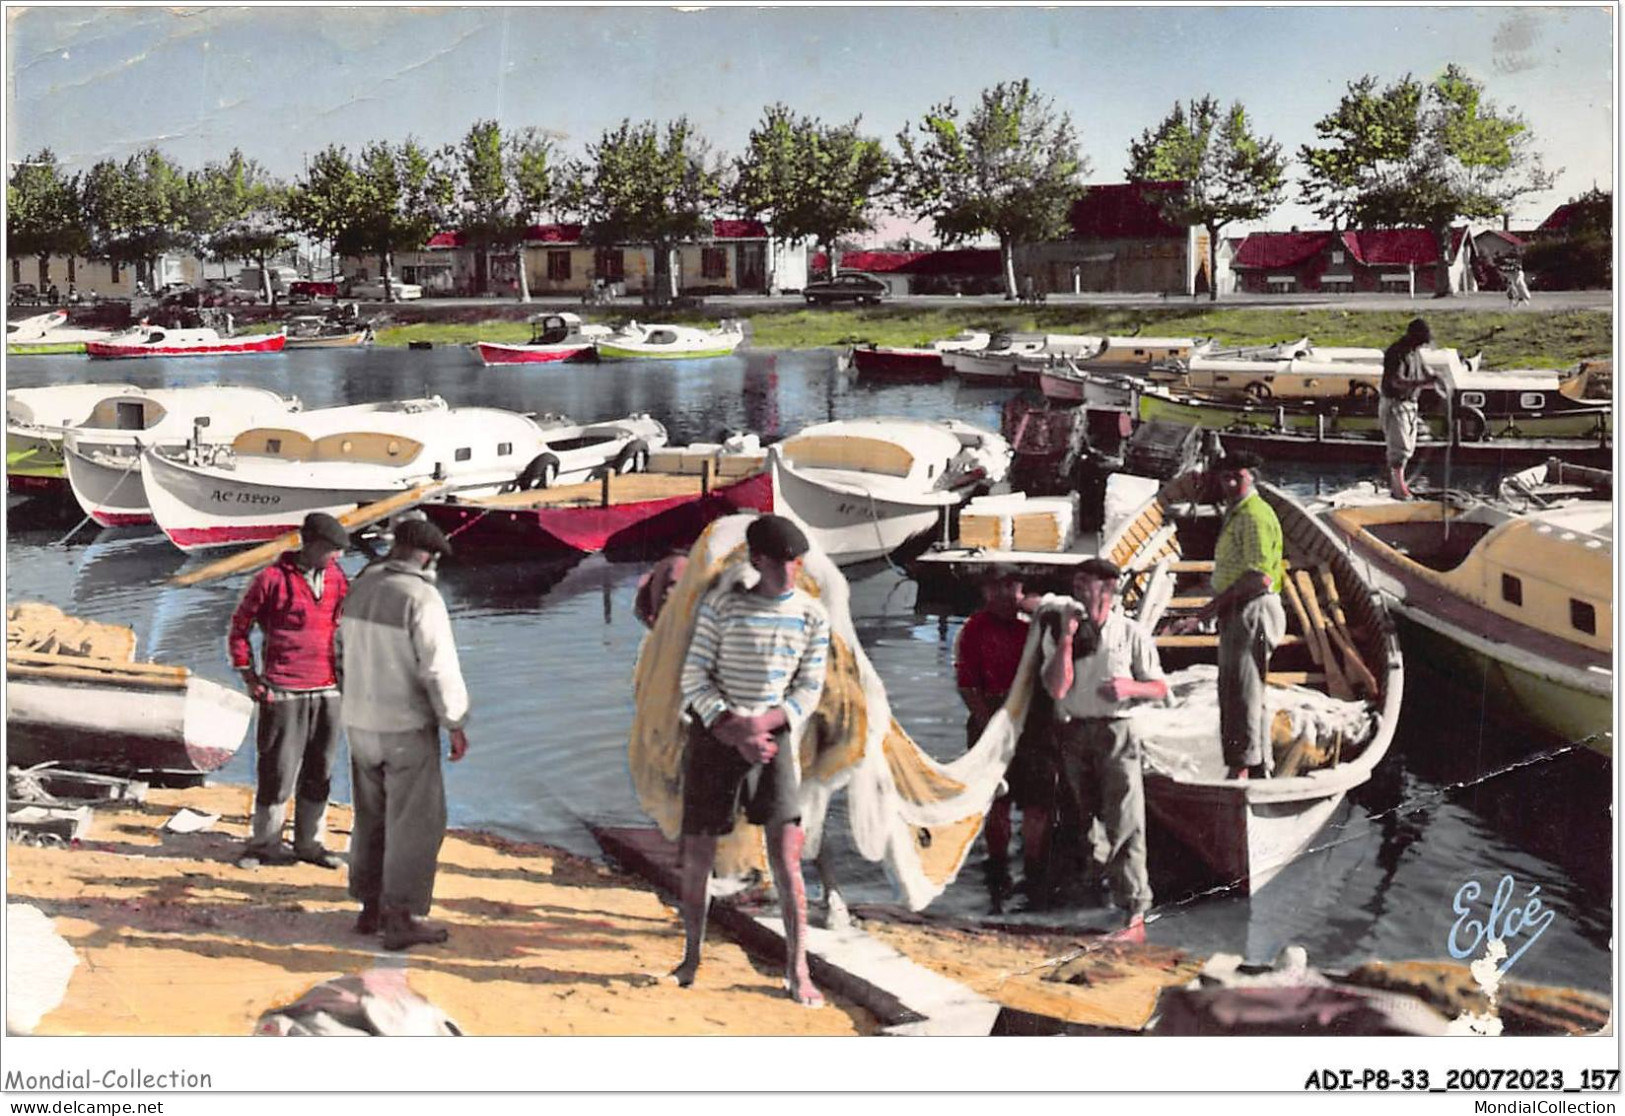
(525,354)
(647,526)
(899,364)
(107,350)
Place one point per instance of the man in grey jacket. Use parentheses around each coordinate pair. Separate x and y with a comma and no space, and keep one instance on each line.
(402,683)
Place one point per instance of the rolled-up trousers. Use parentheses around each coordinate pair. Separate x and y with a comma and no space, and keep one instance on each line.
(400,817)
(1247,637)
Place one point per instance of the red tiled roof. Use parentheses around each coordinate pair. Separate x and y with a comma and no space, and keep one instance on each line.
(1121,211)
(738,230)
(554,234)
(1560,218)
(445,240)
(1280,249)
(869,261)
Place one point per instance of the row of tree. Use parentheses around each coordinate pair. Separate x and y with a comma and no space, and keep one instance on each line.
(1409,153)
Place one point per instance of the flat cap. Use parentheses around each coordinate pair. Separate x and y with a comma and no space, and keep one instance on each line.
(776,537)
(1101,569)
(323,527)
(1236,460)
(420,534)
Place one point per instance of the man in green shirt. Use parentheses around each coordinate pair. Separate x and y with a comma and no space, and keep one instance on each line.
(1247,574)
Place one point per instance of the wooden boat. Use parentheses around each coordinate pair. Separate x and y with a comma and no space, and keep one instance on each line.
(1555,481)
(95,708)
(669,342)
(1340,641)
(1134,355)
(160,341)
(1308,376)
(553,337)
(264,483)
(924,364)
(1515,604)
(861,488)
(1067,383)
(1015,358)
(102,452)
(35,421)
(314,331)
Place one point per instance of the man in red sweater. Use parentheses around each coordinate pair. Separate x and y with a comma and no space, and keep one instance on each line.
(295,602)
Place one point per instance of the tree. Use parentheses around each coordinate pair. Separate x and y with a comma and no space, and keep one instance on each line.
(136,211)
(808,180)
(42,210)
(1224,172)
(1012,169)
(1581,255)
(405,194)
(640,186)
(503,186)
(327,204)
(237,212)
(1420,155)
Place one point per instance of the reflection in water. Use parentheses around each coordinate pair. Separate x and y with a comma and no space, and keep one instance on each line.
(548,648)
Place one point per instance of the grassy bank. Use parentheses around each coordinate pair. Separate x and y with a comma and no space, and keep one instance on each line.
(1524,339)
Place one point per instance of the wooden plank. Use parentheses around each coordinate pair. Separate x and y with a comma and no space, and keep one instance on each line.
(1290,592)
(1203,565)
(1296,677)
(1187,604)
(259,557)
(45,658)
(1202,639)
(76,674)
(1363,678)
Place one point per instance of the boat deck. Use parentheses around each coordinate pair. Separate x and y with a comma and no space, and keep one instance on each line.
(629,488)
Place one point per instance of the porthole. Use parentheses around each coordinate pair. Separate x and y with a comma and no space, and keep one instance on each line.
(463,454)
(504,449)
(346,446)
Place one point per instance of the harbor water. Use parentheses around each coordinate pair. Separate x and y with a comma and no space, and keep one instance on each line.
(547,648)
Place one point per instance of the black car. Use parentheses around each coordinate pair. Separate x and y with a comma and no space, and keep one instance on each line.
(851,286)
(24,294)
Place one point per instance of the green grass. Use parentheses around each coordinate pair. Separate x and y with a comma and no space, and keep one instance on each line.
(1508,340)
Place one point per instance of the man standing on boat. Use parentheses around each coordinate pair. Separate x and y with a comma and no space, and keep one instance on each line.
(295,602)
(402,684)
(1248,569)
(1404,374)
(1099,664)
(753,675)
(986,658)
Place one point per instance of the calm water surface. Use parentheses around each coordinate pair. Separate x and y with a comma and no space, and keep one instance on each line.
(548,650)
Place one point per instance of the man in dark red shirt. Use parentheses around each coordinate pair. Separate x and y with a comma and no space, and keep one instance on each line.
(985,662)
(295,602)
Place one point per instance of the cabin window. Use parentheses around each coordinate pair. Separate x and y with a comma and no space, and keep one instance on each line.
(463,454)
(662,337)
(504,449)
(1472,399)
(558,266)
(273,445)
(713,263)
(1531,401)
(610,263)
(1583,616)
(1512,589)
(346,445)
(393,449)
(1139,352)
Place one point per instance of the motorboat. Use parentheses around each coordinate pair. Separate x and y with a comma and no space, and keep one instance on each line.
(861,488)
(1554,482)
(102,453)
(1354,383)
(553,337)
(1335,685)
(666,503)
(161,341)
(635,341)
(1069,384)
(1014,358)
(1133,355)
(334,459)
(35,421)
(924,364)
(76,697)
(1513,602)
(46,334)
(316,331)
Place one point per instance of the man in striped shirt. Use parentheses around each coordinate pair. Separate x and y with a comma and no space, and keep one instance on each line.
(753,675)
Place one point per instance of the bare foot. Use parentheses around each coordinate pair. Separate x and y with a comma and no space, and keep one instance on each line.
(804,992)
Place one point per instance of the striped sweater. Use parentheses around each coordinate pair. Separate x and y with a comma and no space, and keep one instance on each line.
(752,653)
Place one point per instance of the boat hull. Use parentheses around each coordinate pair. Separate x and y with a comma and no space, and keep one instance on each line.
(916,365)
(45,348)
(493,354)
(637,352)
(114,350)
(332,341)
(847,525)
(108,488)
(192,730)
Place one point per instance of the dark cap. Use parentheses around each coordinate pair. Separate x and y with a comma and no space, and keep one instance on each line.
(420,534)
(1419,330)
(1236,460)
(1100,569)
(773,536)
(323,527)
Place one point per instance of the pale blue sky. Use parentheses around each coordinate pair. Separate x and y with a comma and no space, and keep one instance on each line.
(283,82)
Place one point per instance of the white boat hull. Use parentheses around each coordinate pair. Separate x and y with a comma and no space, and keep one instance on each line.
(108,487)
(847,523)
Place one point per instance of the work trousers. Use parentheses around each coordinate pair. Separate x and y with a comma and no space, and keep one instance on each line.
(1100,767)
(296,739)
(1248,635)
(400,817)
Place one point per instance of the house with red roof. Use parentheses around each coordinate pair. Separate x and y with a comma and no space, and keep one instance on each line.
(1118,240)
(739,257)
(944,271)
(1399,261)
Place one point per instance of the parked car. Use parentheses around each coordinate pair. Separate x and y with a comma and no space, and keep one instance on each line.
(849,286)
(308,290)
(23,294)
(374,289)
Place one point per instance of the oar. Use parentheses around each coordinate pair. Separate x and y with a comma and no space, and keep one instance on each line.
(1290,592)
(1352,660)
(1337,683)
(263,555)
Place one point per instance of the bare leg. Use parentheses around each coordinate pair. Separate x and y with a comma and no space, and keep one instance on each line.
(1397,486)
(836,916)
(698,853)
(784,855)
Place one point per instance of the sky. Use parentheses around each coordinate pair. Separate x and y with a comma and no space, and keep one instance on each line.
(281,83)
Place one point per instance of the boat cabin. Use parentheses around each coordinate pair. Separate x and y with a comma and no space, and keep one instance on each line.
(363,447)
(554,329)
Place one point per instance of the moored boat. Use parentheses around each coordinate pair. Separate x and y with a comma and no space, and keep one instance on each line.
(161,341)
(35,421)
(553,337)
(925,364)
(861,488)
(47,334)
(314,331)
(1514,604)
(635,341)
